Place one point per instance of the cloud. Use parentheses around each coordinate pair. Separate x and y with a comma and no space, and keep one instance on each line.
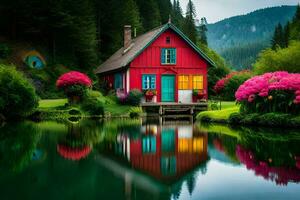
(216,10)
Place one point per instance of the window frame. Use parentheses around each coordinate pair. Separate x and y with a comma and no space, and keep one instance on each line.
(185,82)
(166,54)
(195,82)
(149,83)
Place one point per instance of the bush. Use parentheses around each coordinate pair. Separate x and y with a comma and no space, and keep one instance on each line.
(133,98)
(74,84)
(17,95)
(274,119)
(235,118)
(270,92)
(92,104)
(5,51)
(227,86)
(286,59)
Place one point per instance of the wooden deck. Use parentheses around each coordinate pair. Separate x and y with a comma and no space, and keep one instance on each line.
(172,108)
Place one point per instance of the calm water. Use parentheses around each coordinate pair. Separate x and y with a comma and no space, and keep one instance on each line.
(147,159)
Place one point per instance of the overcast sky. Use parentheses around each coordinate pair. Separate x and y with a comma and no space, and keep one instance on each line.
(216,10)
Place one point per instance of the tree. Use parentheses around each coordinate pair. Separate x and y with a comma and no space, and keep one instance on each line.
(131,15)
(202,31)
(177,18)
(278,37)
(189,22)
(165,9)
(295,26)
(150,13)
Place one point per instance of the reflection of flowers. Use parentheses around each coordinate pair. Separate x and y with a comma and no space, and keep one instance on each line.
(281,175)
(73,153)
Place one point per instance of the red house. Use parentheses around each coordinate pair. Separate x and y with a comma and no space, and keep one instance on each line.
(162,60)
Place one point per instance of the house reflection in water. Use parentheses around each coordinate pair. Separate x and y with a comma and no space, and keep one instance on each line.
(166,152)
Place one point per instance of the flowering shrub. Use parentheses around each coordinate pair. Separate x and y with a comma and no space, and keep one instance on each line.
(227,86)
(133,98)
(74,84)
(270,92)
(73,78)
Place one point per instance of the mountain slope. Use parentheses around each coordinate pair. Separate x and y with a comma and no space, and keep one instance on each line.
(239,39)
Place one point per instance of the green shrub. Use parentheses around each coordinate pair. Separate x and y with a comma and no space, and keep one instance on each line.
(134,97)
(250,119)
(235,118)
(5,50)
(214,106)
(17,95)
(233,84)
(274,119)
(92,104)
(135,112)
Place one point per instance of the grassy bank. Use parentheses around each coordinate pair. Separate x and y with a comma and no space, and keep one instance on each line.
(230,114)
(227,108)
(58,109)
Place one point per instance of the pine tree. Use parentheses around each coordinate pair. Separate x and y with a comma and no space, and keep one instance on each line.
(189,25)
(149,13)
(177,18)
(165,9)
(278,37)
(295,26)
(286,35)
(131,16)
(202,31)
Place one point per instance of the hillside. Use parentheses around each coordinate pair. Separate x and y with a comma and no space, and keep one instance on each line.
(239,39)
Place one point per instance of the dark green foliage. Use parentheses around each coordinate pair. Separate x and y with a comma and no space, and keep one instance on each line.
(217,72)
(134,97)
(177,17)
(92,104)
(165,9)
(5,50)
(17,95)
(295,26)
(268,119)
(235,118)
(131,15)
(189,27)
(280,37)
(202,29)
(150,13)
(75,91)
(241,57)
(228,93)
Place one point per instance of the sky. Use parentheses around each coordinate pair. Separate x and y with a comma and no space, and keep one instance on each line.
(216,10)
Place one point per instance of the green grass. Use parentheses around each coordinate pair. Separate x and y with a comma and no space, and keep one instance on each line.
(228,107)
(225,104)
(52,103)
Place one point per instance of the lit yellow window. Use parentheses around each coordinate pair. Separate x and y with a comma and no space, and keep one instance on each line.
(198,82)
(183,82)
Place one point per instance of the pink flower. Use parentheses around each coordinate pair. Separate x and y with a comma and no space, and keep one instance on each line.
(73,78)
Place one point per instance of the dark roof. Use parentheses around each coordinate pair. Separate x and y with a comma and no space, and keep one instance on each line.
(120,59)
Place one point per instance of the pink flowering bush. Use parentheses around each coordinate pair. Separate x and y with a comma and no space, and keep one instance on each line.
(74,84)
(270,92)
(227,86)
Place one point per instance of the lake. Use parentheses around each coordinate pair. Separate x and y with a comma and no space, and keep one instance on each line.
(147,159)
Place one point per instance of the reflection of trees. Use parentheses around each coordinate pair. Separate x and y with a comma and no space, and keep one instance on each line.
(191,182)
(18,144)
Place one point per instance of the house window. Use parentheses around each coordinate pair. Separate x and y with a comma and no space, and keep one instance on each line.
(168,40)
(183,82)
(198,82)
(149,82)
(118,82)
(168,56)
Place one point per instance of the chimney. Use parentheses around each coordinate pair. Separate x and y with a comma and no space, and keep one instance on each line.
(127,36)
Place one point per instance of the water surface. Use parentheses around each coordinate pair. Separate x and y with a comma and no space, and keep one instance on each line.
(147,159)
